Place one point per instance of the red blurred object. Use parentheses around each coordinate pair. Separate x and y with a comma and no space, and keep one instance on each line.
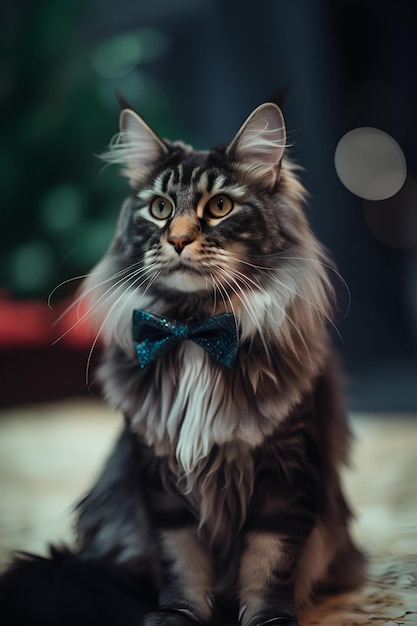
(44,352)
(33,323)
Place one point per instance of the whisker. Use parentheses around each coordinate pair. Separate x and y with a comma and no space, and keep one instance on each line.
(246,280)
(103,299)
(314,306)
(134,287)
(295,292)
(303,341)
(327,266)
(223,292)
(208,279)
(90,354)
(134,292)
(95,272)
(126,274)
(242,296)
(297,330)
(64,282)
(82,295)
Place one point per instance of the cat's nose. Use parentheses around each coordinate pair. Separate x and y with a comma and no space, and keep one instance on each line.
(179,242)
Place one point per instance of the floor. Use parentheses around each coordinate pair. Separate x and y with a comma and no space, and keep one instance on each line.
(49,455)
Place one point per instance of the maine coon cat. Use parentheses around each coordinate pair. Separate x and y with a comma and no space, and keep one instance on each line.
(222,495)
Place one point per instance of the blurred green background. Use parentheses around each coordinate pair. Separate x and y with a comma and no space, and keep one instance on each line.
(194,69)
(59,108)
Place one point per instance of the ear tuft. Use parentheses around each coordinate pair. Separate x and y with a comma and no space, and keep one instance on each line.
(136,148)
(123,102)
(280,95)
(259,144)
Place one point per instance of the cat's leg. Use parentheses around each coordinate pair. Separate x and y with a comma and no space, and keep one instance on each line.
(266,580)
(187,570)
(279,522)
(130,517)
(330,561)
(188,577)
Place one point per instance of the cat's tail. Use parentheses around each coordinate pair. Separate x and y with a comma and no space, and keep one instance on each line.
(68,590)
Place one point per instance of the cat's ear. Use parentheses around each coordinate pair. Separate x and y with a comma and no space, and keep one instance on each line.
(259,145)
(136,148)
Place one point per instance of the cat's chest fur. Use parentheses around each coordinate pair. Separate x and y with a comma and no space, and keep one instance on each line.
(184,405)
(189,404)
(191,416)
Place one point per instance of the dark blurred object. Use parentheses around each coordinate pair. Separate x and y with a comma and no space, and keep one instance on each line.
(32,374)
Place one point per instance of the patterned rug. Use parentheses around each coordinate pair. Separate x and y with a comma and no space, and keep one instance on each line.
(388,598)
(50,454)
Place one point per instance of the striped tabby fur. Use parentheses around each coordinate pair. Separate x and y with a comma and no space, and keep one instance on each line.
(224,488)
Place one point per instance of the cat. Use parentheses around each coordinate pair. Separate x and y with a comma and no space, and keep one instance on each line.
(221,502)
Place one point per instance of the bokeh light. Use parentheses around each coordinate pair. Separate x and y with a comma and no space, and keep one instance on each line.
(61,209)
(31,266)
(118,56)
(97,235)
(370,163)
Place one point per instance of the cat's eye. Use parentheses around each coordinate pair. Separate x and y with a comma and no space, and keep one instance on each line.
(219,206)
(161,208)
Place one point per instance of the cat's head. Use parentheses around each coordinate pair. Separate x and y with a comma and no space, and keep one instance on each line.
(209,231)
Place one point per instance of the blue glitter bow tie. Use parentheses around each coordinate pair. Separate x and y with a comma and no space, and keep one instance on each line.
(154,336)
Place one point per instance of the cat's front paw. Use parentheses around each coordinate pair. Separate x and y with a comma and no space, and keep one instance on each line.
(171,617)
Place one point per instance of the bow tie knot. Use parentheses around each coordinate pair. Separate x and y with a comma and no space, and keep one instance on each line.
(155,335)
